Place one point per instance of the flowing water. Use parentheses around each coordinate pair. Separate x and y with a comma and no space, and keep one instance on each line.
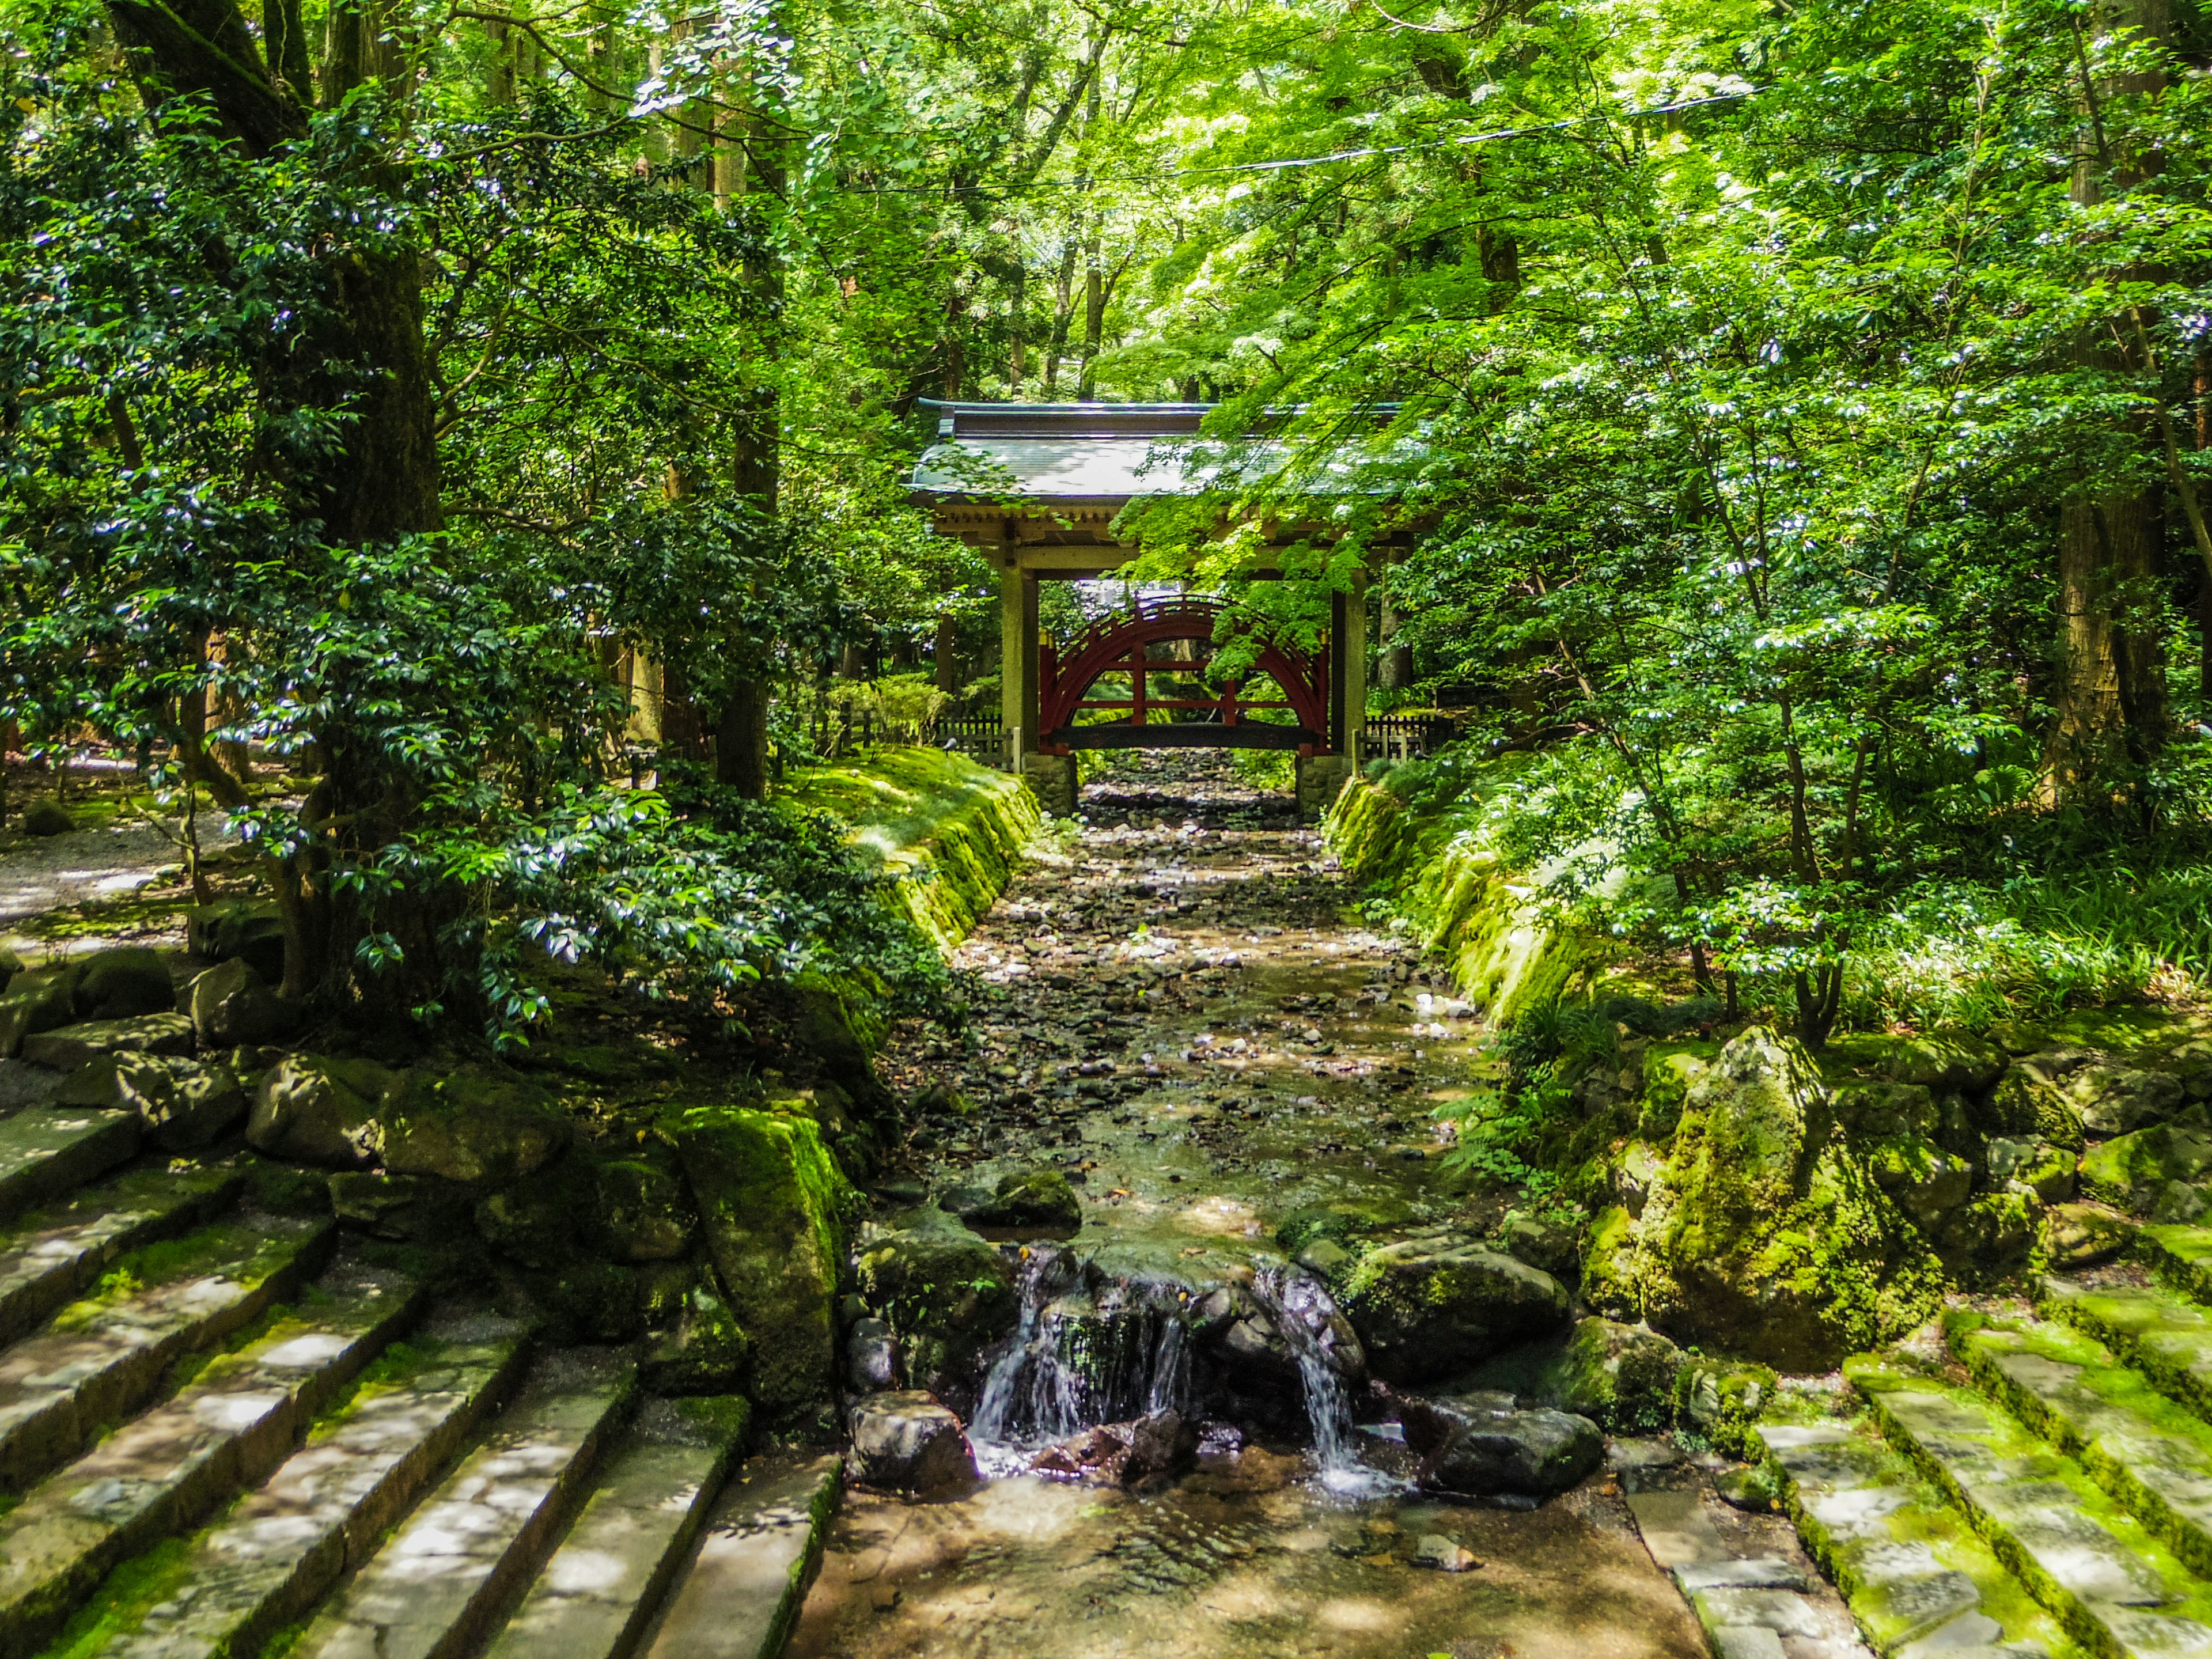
(1181,1009)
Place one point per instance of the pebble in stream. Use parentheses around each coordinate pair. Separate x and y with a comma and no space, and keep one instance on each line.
(1191,1021)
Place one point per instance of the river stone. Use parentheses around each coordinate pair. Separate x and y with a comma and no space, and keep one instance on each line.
(69,1047)
(871,1357)
(184,1104)
(1027,1201)
(645,1214)
(1487,1452)
(1424,1309)
(47,818)
(704,1351)
(1766,1235)
(907,1441)
(777,1211)
(476,1125)
(124,980)
(310,1109)
(231,1005)
(1622,1376)
(946,1293)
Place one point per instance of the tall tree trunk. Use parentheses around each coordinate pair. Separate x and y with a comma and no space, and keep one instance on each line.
(1395,671)
(741,736)
(2111,702)
(947,654)
(1094,314)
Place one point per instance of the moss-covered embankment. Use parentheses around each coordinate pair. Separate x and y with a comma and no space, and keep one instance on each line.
(1426,839)
(948,830)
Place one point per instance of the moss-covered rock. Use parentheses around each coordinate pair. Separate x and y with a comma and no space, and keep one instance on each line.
(1989,1235)
(1871,1112)
(1042,1201)
(312,1110)
(2083,1235)
(1923,1180)
(1669,1071)
(704,1351)
(124,980)
(248,930)
(777,1211)
(546,1221)
(1943,1060)
(37,1001)
(2131,1170)
(230,1004)
(946,1293)
(1425,1308)
(422,1209)
(183,1103)
(644,1213)
(1766,1236)
(47,817)
(483,1127)
(1622,1376)
(2117,1099)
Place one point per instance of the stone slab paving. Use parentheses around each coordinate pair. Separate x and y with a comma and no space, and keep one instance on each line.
(2115,1586)
(2152,1454)
(1920,1583)
(437,1585)
(101,1358)
(2166,1338)
(269,1560)
(54,1255)
(600,1590)
(46,1155)
(762,1546)
(164,1471)
(1753,1603)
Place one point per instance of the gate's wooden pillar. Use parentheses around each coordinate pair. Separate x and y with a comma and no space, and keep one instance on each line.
(1353,633)
(1018,655)
(1340,651)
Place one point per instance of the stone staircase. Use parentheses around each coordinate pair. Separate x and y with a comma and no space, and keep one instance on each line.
(226,1433)
(2030,1482)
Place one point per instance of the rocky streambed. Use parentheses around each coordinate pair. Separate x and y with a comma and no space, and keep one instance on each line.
(1179,1335)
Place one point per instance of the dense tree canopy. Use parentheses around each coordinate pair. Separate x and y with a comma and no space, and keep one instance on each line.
(1797,414)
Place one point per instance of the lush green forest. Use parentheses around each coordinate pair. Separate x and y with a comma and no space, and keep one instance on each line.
(1799,411)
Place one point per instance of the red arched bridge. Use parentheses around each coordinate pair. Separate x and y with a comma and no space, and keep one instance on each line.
(1136,647)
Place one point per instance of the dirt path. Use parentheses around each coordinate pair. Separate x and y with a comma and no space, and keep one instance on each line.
(1181,1009)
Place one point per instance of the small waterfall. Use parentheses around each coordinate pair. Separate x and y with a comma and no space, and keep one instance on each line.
(1302,1310)
(1084,1352)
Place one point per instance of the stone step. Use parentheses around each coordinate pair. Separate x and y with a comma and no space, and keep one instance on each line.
(1920,1582)
(264,1564)
(55,1254)
(603,1585)
(161,1473)
(2167,1339)
(2152,1454)
(2182,1256)
(441,1583)
(103,1358)
(2114,1586)
(46,1155)
(743,1590)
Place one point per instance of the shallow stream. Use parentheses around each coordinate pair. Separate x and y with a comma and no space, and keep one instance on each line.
(1182,1008)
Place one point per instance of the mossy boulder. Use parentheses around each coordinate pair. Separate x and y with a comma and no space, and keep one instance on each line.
(545,1221)
(231,1005)
(421,1209)
(1922,1179)
(245,930)
(2131,1170)
(1943,1060)
(1621,1375)
(645,1214)
(1427,1307)
(1989,1235)
(704,1352)
(1669,1071)
(309,1109)
(183,1103)
(777,1211)
(41,1001)
(2026,1103)
(2117,1099)
(1040,1201)
(947,1295)
(1766,1235)
(1870,1111)
(2083,1235)
(126,979)
(483,1127)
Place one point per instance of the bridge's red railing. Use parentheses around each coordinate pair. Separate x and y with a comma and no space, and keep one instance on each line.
(1118,644)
